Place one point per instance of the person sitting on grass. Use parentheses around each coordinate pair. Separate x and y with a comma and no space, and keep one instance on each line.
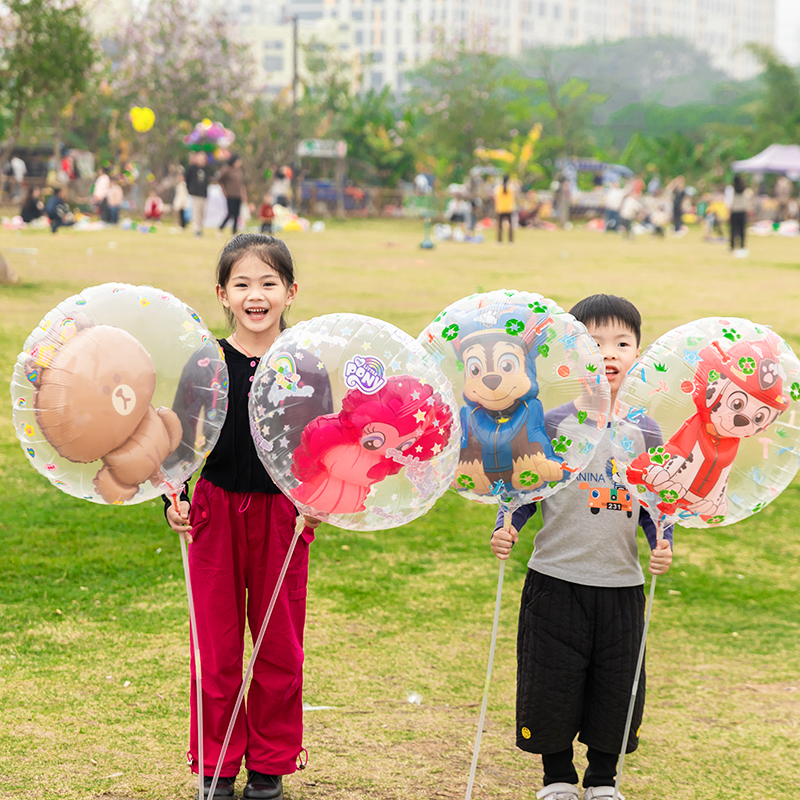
(58,211)
(33,207)
(153,206)
(582,613)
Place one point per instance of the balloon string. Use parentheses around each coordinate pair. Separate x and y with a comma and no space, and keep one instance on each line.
(196,645)
(635,688)
(488,679)
(256,647)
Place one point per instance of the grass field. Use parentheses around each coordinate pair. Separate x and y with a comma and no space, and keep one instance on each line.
(93,619)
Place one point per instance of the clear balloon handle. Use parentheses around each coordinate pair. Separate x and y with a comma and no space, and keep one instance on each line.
(637,674)
(198,672)
(485,701)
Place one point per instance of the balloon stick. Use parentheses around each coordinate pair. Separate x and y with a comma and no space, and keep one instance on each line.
(256,647)
(507,526)
(195,644)
(637,674)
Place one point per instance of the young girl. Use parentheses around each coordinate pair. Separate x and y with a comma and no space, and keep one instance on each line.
(240,526)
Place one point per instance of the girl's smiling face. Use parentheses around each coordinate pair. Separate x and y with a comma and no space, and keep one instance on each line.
(619,349)
(256,296)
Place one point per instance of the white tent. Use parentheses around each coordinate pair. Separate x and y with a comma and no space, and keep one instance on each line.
(783,158)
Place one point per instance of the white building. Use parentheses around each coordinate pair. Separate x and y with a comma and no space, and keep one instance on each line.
(787,30)
(273,46)
(390,36)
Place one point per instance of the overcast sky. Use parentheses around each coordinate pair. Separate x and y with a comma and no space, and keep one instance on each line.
(787,29)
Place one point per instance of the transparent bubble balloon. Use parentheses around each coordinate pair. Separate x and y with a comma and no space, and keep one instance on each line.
(119,394)
(725,394)
(512,356)
(353,422)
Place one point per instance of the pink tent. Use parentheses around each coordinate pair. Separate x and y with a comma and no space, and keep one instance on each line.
(776,158)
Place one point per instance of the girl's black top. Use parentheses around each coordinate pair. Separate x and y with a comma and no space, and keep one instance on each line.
(234,464)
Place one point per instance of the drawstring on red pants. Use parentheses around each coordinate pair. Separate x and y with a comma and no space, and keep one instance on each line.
(245,504)
(302,762)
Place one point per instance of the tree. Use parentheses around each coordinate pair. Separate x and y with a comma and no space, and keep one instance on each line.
(46,53)
(379,135)
(462,102)
(185,65)
(778,113)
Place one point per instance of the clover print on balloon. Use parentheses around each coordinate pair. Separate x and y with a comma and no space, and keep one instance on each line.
(747,365)
(450,332)
(528,478)
(465,482)
(514,327)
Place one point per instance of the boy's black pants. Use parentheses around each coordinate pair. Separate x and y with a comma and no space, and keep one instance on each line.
(601,771)
(577,648)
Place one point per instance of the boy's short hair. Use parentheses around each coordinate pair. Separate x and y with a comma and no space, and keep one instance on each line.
(604,308)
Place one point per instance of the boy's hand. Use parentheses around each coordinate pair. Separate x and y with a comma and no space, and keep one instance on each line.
(179,522)
(661,558)
(503,540)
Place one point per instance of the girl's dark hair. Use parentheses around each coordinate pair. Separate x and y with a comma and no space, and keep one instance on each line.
(234,158)
(738,184)
(604,308)
(270,250)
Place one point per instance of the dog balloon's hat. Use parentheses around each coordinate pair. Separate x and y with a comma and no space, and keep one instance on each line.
(753,366)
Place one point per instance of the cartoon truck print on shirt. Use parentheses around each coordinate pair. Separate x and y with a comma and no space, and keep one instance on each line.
(617,498)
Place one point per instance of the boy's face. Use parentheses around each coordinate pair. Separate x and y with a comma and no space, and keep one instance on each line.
(617,343)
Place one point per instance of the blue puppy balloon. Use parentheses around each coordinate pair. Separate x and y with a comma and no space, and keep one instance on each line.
(513,356)
(504,443)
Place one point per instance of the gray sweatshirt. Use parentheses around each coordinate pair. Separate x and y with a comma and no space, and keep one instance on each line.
(588,534)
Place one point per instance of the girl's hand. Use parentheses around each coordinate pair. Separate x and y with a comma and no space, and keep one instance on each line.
(311,522)
(503,540)
(661,558)
(179,520)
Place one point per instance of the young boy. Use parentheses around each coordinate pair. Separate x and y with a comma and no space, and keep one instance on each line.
(582,611)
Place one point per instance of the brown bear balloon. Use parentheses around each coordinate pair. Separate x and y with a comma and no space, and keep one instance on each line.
(94,384)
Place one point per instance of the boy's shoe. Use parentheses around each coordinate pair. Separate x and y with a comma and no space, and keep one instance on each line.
(224,787)
(559,791)
(263,787)
(600,793)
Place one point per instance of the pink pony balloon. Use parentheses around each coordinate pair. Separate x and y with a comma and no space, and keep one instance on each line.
(341,456)
(355,422)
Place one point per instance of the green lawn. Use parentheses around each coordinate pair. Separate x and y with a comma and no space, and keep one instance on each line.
(93,617)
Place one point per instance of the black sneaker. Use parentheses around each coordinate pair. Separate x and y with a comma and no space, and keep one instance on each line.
(224,787)
(263,787)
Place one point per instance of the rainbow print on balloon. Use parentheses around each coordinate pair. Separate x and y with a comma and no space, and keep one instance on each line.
(285,371)
(366,373)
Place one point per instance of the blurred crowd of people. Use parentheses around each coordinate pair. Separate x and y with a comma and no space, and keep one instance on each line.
(104,194)
(625,205)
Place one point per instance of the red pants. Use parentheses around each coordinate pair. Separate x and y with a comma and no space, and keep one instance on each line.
(240,544)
